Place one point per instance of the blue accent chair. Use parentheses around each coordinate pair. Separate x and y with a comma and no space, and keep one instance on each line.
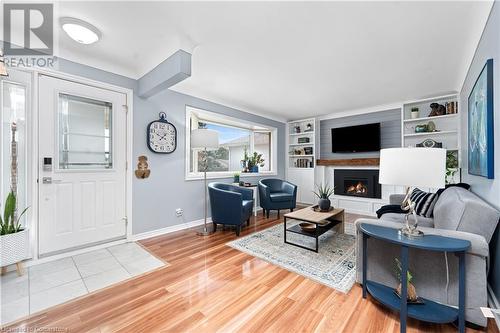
(230,205)
(277,194)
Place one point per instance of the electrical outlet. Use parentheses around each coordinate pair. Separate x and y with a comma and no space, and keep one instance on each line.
(179,212)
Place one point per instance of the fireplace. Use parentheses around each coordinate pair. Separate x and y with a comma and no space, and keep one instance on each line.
(357,183)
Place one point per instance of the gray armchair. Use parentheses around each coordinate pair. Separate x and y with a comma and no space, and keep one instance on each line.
(277,194)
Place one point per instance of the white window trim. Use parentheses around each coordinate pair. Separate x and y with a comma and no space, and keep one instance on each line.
(237,123)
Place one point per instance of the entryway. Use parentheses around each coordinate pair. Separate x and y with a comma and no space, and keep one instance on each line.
(82,150)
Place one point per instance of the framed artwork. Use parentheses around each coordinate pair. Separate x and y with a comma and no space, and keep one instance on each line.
(480,125)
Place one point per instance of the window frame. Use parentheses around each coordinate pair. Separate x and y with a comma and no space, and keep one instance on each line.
(228,121)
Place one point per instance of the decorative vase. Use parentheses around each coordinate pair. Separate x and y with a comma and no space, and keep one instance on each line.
(255,168)
(415,114)
(236,179)
(15,247)
(410,291)
(324,204)
(421,129)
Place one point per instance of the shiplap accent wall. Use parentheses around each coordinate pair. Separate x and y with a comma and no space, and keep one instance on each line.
(390,132)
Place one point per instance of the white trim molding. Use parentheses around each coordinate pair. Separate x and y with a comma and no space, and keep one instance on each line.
(230,121)
(169,229)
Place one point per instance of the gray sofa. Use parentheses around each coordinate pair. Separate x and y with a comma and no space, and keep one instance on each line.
(458,213)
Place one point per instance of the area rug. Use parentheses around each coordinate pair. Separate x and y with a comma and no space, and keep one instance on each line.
(334,265)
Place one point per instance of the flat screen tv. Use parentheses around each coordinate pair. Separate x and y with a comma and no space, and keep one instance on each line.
(354,139)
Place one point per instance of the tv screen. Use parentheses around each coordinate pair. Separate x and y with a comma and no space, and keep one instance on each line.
(353,139)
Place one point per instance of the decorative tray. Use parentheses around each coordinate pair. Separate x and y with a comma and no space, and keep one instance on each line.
(316,209)
(308,227)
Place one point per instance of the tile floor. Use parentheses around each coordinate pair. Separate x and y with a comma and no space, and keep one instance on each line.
(55,282)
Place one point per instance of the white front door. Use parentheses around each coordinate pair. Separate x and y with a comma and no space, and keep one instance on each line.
(82,159)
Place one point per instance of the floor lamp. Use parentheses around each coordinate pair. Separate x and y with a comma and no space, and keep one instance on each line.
(412,167)
(204,139)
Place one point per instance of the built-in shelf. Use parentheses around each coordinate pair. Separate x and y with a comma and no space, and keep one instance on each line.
(303,133)
(301,155)
(446,116)
(429,133)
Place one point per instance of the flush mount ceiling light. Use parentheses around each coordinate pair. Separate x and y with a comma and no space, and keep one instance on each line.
(80,31)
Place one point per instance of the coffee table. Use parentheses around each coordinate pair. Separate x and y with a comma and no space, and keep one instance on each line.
(324,221)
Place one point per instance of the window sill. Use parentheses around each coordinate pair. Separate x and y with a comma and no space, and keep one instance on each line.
(229,175)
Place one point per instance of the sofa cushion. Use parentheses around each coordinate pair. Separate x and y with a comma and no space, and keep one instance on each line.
(400,218)
(424,202)
(281,197)
(462,210)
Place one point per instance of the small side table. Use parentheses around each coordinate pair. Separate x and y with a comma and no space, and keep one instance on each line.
(429,311)
(255,190)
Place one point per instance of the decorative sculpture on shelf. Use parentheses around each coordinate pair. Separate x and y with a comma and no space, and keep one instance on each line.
(437,110)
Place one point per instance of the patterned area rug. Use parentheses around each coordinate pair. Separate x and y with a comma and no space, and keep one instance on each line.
(334,265)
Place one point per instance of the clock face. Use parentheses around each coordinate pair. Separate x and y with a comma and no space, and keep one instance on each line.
(162,137)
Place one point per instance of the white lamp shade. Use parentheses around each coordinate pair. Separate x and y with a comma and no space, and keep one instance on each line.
(419,167)
(203,138)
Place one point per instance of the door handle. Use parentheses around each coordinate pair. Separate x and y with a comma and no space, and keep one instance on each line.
(49,180)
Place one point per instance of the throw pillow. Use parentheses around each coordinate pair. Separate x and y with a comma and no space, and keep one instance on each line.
(424,202)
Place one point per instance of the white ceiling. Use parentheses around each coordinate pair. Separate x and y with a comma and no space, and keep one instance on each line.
(290,60)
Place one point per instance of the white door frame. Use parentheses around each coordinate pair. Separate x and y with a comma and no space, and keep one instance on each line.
(35,158)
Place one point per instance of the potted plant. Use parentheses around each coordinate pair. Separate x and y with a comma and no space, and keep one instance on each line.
(451,166)
(414,113)
(236,178)
(411,291)
(324,193)
(14,239)
(255,161)
(245,161)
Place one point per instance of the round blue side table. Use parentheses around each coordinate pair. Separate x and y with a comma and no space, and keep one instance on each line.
(429,311)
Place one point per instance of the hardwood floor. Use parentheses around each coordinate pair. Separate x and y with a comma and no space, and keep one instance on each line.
(212,287)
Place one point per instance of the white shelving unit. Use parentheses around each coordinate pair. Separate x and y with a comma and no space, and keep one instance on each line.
(447,126)
(301,159)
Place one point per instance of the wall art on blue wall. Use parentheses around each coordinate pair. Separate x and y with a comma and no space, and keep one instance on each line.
(480,125)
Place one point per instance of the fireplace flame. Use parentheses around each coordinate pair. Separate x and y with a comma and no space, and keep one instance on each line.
(359,188)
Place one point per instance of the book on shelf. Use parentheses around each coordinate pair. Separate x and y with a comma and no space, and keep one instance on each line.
(303,163)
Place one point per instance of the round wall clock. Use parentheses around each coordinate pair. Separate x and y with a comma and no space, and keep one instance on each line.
(162,135)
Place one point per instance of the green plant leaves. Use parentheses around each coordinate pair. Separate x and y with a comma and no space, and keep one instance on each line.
(324,191)
(8,225)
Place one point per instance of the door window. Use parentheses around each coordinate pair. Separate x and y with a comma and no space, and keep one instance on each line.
(85,140)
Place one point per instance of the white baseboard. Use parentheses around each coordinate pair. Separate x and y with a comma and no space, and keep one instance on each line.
(493,303)
(170,229)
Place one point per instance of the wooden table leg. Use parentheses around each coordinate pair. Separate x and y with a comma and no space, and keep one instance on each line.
(20,268)
(4,270)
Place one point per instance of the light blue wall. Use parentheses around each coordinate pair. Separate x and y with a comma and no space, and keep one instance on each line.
(390,132)
(489,47)
(156,198)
